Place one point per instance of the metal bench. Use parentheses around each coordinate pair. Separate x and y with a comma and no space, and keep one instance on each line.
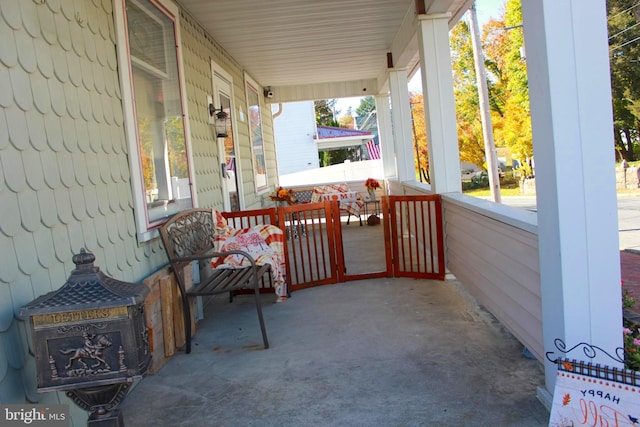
(190,236)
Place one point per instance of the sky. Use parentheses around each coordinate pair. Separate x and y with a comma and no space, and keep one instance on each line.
(486,9)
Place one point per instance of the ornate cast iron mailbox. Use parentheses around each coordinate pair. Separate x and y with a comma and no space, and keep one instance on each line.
(90,339)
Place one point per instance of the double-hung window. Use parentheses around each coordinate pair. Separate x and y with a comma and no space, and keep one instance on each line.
(255,134)
(155,110)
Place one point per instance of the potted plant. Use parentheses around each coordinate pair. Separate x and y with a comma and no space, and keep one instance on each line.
(282,195)
(372,184)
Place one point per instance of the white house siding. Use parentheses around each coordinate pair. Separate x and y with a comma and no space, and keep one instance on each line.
(65,177)
(499,264)
(294,131)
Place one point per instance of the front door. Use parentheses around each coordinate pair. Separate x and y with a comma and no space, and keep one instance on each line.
(226,145)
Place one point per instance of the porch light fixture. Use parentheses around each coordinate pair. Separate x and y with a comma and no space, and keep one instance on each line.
(222,121)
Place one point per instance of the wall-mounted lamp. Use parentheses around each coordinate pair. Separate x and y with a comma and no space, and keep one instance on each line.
(221,120)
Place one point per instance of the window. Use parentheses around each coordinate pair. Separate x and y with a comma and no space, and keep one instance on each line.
(153,100)
(255,133)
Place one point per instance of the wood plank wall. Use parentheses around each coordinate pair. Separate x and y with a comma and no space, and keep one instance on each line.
(164,317)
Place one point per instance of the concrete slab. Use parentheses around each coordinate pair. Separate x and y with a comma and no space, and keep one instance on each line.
(383,352)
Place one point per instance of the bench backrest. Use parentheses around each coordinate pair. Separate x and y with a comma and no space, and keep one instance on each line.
(187,234)
(193,232)
(250,218)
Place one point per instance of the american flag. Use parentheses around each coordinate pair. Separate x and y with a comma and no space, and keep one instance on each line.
(373,146)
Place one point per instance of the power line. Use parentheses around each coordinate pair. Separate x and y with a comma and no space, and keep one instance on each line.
(625,30)
(624,11)
(623,44)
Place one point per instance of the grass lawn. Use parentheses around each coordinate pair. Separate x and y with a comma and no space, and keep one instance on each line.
(485,192)
(515,191)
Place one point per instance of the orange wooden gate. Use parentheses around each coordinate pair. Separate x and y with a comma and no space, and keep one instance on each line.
(314,249)
(310,248)
(417,243)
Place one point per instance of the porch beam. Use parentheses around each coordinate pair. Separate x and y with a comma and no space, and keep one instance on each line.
(439,103)
(571,114)
(327,90)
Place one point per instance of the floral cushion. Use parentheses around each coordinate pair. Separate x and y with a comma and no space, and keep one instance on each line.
(250,242)
(265,244)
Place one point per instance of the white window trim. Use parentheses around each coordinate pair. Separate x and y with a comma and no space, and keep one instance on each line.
(250,81)
(144,230)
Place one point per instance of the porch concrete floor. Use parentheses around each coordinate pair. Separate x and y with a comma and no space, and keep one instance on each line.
(382,352)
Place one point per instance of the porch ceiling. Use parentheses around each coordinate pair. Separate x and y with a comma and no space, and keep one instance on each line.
(302,43)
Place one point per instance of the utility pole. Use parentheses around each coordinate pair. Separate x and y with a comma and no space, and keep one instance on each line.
(485,113)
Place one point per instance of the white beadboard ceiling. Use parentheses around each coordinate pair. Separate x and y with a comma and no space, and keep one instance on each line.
(311,42)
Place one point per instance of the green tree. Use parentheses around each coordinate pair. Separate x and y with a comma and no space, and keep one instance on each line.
(624,33)
(367,105)
(326,112)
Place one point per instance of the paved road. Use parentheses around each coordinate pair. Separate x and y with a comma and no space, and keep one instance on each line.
(628,216)
(629,222)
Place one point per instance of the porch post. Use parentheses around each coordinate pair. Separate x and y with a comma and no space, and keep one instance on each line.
(571,114)
(439,103)
(401,119)
(385,133)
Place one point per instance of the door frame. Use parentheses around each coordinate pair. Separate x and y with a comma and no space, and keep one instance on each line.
(222,82)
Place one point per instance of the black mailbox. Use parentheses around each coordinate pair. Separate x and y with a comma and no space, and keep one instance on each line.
(90,339)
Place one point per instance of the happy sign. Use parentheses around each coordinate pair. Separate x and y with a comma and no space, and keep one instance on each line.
(591,400)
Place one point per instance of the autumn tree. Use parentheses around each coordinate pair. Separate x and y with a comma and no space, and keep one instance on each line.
(421,153)
(470,142)
(512,84)
(507,86)
(347,120)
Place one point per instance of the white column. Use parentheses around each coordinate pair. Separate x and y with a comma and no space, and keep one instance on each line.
(385,134)
(401,120)
(571,113)
(439,103)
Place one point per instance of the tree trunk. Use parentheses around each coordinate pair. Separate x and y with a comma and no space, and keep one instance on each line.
(629,156)
(622,149)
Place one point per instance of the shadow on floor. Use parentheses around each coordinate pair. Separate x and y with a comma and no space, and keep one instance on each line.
(382,352)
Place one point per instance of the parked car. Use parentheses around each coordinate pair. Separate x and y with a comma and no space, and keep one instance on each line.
(469,174)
